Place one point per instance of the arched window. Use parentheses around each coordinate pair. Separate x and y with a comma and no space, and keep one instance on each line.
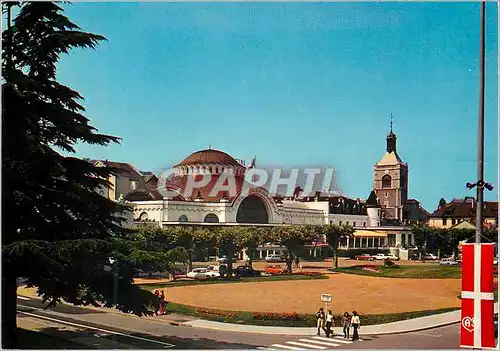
(211,218)
(143,217)
(386,181)
(183,218)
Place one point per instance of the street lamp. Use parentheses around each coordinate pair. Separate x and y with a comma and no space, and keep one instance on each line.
(114,269)
(480,185)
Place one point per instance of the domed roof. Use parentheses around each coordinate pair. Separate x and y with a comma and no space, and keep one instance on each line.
(209,156)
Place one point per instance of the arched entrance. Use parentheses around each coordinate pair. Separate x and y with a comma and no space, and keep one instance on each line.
(252,210)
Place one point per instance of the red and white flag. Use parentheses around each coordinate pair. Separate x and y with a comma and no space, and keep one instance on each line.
(477,327)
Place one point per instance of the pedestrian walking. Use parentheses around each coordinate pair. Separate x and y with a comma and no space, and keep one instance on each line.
(162,303)
(329,324)
(355,322)
(346,324)
(320,320)
(297,260)
(158,298)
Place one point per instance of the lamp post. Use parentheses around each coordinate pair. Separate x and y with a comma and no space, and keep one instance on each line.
(114,269)
(480,184)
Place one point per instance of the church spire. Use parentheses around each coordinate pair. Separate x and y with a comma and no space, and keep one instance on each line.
(391,139)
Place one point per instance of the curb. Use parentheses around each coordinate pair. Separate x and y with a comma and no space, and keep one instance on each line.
(270,330)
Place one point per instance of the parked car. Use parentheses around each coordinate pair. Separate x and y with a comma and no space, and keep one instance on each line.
(274,270)
(364,257)
(430,257)
(381,256)
(274,258)
(202,274)
(246,271)
(448,261)
(221,269)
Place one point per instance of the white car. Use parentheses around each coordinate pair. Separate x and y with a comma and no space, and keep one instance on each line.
(202,273)
(431,257)
(448,261)
(274,258)
(381,256)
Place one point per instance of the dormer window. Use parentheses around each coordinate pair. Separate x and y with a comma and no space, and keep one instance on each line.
(133,184)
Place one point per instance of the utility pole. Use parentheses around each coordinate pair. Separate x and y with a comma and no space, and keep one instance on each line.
(480,184)
(480,150)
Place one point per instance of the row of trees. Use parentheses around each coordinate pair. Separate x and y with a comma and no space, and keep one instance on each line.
(445,241)
(183,241)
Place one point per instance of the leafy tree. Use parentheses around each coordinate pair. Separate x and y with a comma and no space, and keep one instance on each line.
(334,234)
(250,238)
(58,232)
(293,238)
(420,235)
(155,249)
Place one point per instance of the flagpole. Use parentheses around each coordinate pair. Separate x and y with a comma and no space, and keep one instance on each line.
(480,153)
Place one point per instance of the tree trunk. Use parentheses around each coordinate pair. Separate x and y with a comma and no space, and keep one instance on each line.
(9,309)
(230,254)
(190,263)
(289,262)
(250,255)
(336,253)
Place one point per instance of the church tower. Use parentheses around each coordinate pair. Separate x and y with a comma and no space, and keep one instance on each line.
(391,181)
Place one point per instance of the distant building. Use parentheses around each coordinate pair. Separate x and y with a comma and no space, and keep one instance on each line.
(380,221)
(457,211)
(391,182)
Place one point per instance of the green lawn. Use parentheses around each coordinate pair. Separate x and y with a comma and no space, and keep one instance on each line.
(29,339)
(272,278)
(427,271)
(305,320)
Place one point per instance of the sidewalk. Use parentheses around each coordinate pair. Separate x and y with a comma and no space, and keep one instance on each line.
(409,325)
(405,326)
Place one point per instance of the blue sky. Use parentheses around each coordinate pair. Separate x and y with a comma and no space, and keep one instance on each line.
(294,84)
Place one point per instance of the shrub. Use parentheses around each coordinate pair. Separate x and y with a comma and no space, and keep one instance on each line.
(271,316)
(390,264)
(217,313)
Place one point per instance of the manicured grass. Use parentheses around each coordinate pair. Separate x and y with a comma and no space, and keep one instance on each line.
(434,271)
(271,278)
(304,320)
(29,339)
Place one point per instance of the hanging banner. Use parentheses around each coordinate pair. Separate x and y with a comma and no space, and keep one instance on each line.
(477,327)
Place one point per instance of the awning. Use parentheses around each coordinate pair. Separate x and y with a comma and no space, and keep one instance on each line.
(369,234)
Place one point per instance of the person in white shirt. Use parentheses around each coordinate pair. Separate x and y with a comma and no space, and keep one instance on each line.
(355,322)
(329,323)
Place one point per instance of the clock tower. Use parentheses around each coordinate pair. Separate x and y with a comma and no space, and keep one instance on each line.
(391,181)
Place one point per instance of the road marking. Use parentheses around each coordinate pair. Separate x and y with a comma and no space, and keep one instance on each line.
(320,342)
(23,298)
(329,339)
(99,329)
(287,347)
(306,345)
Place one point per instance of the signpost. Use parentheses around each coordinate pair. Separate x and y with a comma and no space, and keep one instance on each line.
(477,327)
(326,298)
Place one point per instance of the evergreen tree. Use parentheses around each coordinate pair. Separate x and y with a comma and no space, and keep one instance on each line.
(57,231)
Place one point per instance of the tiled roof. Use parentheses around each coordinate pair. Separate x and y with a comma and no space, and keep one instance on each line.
(179,184)
(125,169)
(143,195)
(209,156)
(390,159)
(465,208)
(372,199)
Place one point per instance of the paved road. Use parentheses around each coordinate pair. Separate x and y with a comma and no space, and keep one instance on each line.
(195,338)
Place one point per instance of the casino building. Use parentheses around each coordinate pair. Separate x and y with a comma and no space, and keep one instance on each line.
(380,221)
